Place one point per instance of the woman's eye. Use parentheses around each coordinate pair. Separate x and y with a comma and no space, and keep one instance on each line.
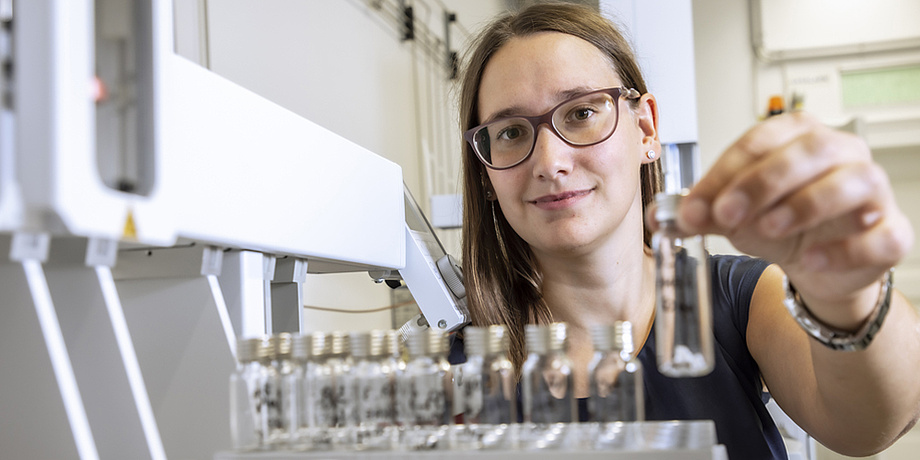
(580,114)
(510,133)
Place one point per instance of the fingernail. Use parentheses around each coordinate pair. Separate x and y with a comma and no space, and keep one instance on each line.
(814,260)
(693,214)
(730,209)
(870,218)
(776,222)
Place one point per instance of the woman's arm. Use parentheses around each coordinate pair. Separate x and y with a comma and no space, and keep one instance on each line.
(812,201)
(856,403)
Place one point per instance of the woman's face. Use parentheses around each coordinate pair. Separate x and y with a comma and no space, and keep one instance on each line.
(563,199)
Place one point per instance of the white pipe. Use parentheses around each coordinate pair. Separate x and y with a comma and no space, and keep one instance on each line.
(222,311)
(60,360)
(129,359)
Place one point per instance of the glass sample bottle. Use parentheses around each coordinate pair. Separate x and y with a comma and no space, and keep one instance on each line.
(683,318)
(319,386)
(245,421)
(489,389)
(471,374)
(489,384)
(548,401)
(373,380)
(615,376)
(394,361)
(424,392)
(275,357)
(340,362)
(301,406)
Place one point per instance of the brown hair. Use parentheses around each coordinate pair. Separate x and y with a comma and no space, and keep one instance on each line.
(502,278)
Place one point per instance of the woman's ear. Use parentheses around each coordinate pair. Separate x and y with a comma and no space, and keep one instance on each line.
(647,117)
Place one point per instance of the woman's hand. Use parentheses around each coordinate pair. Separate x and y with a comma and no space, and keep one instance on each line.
(810,199)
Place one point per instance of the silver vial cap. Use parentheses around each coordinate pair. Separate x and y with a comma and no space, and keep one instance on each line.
(499,341)
(394,346)
(340,343)
(377,346)
(557,336)
(417,343)
(360,344)
(623,337)
(247,350)
(437,342)
(474,341)
(602,337)
(321,344)
(282,344)
(302,348)
(537,338)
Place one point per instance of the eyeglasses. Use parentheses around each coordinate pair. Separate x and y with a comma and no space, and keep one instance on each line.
(583,120)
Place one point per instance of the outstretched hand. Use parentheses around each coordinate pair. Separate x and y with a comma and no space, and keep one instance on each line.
(808,198)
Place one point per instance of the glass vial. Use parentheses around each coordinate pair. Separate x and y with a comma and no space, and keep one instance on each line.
(615,376)
(395,361)
(424,393)
(275,357)
(683,318)
(489,390)
(683,321)
(319,387)
(471,374)
(548,401)
(245,397)
(374,386)
(340,362)
(300,405)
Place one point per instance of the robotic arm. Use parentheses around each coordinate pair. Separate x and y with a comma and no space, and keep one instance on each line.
(434,277)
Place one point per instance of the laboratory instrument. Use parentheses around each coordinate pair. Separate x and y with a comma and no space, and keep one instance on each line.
(161,214)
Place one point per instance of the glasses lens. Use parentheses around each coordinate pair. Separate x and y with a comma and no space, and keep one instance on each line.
(586,120)
(504,142)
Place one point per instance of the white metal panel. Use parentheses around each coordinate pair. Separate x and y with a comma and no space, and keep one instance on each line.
(231,168)
(9,196)
(447,211)
(10,199)
(29,380)
(661,32)
(181,346)
(819,83)
(237,170)
(54,107)
(790,29)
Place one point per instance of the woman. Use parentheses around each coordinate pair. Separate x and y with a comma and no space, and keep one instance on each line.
(556,230)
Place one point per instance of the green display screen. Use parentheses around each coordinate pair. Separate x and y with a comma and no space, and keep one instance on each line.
(889,86)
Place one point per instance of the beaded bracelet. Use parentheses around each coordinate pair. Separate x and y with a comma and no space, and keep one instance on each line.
(834,338)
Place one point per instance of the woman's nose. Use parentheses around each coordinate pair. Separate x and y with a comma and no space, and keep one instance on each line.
(551,155)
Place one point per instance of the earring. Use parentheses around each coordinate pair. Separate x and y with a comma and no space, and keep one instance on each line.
(650,154)
(489,195)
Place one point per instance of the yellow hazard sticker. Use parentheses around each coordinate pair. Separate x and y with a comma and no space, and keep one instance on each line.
(130,232)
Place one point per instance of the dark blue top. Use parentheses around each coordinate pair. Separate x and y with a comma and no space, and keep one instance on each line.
(732,395)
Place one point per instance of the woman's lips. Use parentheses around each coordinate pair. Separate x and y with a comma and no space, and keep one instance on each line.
(560,200)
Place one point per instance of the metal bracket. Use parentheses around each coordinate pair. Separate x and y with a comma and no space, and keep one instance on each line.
(283,279)
(30,246)
(6,54)
(408,22)
(190,260)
